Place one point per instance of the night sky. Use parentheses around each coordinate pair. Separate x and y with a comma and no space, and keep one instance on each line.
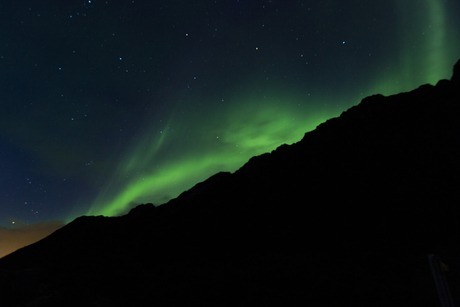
(109,104)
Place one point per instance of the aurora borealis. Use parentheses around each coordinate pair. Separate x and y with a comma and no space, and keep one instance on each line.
(106,105)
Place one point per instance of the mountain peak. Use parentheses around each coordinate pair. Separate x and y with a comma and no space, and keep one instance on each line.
(456,74)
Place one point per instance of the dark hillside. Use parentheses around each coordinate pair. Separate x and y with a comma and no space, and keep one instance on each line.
(344,217)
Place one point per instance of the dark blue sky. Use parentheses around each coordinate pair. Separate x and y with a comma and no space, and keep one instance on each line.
(106,105)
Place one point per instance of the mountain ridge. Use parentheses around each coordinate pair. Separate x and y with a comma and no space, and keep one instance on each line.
(318,221)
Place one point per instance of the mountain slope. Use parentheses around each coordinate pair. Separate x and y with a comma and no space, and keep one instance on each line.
(345,216)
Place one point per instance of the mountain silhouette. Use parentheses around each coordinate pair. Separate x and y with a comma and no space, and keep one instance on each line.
(359,212)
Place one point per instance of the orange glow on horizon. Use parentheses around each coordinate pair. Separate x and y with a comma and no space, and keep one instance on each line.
(12,239)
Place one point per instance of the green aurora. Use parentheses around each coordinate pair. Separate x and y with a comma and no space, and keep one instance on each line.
(155,171)
(260,117)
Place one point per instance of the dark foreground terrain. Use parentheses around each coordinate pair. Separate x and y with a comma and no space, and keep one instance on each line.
(345,217)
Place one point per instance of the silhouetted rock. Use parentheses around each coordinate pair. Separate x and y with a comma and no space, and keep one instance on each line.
(456,74)
(346,216)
